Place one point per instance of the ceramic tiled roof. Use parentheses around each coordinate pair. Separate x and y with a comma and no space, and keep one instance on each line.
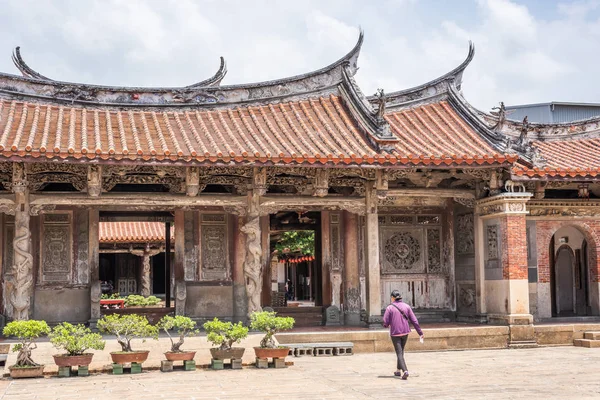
(436,134)
(132,232)
(315,130)
(566,158)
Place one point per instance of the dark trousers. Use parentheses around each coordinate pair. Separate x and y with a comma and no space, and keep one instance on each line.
(399,342)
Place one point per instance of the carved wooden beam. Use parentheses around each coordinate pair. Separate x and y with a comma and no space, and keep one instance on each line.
(416,192)
(192,181)
(272,205)
(259,181)
(139,200)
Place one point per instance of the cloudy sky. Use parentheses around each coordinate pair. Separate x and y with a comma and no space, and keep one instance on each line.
(526,51)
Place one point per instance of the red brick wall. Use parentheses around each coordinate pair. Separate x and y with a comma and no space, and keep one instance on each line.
(546,229)
(514,247)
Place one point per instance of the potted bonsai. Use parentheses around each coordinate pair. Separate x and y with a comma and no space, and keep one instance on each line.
(126,328)
(184,326)
(27,332)
(75,340)
(270,323)
(224,335)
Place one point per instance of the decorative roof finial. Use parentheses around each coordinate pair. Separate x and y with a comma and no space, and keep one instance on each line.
(525,127)
(380,95)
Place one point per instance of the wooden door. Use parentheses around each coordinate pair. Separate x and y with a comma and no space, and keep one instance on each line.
(564,280)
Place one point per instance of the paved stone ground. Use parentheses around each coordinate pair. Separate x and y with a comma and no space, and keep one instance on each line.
(543,373)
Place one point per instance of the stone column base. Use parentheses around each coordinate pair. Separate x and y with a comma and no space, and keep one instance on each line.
(352,318)
(521,331)
(375,321)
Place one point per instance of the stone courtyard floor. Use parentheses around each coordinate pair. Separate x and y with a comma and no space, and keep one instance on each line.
(542,373)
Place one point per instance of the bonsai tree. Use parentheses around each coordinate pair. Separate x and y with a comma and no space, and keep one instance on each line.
(27,332)
(75,339)
(224,334)
(270,323)
(126,328)
(184,326)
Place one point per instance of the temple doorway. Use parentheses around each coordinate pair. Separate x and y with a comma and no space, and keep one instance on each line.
(569,273)
(133,258)
(295,265)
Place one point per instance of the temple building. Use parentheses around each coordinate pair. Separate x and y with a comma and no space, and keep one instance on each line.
(471,215)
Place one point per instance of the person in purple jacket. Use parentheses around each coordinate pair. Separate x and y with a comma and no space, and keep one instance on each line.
(396,317)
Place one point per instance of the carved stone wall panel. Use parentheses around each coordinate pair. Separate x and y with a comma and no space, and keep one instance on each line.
(190,260)
(492,242)
(336,264)
(402,250)
(214,251)
(83,269)
(465,234)
(434,251)
(56,249)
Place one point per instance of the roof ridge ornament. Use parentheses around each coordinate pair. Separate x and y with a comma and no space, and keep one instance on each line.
(24,68)
(433,89)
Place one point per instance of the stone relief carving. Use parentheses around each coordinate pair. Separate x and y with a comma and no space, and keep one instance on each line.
(466,297)
(434,261)
(321,183)
(95,295)
(252,263)
(465,234)
(191,250)
(335,247)
(214,252)
(192,181)
(94,180)
(56,253)
(259,181)
(402,250)
(492,242)
(352,300)
(180,297)
(336,288)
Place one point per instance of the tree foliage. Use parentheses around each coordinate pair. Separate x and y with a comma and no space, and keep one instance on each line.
(297,241)
(26,332)
(127,327)
(138,300)
(270,323)
(224,334)
(184,326)
(75,339)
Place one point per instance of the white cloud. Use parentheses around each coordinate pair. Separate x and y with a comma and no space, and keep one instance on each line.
(522,56)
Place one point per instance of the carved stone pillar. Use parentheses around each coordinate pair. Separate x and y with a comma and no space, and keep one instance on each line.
(180,285)
(94,180)
(351,273)
(253,260)
(479,244)
(94,263)
(505,258)
(19,277)
(326,258)
(373,275)
(240,303)
(145,290)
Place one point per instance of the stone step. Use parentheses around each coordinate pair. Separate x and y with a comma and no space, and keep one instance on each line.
(592,335)
(526,344)
(587,343)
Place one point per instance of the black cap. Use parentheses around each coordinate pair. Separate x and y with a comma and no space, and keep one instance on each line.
(396,294)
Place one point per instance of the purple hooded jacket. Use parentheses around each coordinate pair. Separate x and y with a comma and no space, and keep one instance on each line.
(398,324)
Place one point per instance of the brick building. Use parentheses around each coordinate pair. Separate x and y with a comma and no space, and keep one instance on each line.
(472,216)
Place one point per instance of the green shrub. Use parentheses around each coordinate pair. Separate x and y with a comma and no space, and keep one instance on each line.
(127,327)
(224,334)
(75,339)
(270,323)
(138,300)
(184,326)
(27,332)
(114,296)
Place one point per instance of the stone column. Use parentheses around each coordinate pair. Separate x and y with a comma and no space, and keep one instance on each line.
(479,244)
(19,278)
(351,274)
(145,291)
(94,263)
(505,255)
(326,259)
(253,259)
(240,302)
(180,285)
(373,270)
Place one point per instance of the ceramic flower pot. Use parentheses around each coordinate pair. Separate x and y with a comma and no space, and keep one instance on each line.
(234,352)
(180,356)
(125,357)
(63,360)
(278,352)
(26,372)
